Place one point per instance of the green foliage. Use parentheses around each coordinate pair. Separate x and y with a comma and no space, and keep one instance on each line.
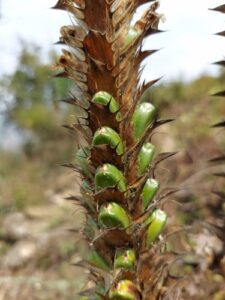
(33,95)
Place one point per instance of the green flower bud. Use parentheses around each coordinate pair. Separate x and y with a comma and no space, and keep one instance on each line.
(95,259)
(156,223)
(131,36)
(143,116)
(124,290)
(105,99)
(145,157)
(109,176)
(113,215)
(124,259)
(107,136)
(150,189)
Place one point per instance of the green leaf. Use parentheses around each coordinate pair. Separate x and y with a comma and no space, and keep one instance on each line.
(95,259)
(81,157)
(86,186)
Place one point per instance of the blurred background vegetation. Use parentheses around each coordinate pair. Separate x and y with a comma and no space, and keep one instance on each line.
(34,219)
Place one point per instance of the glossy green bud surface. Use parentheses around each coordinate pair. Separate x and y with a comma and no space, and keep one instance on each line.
(107,136)
(145,157)
(150,189)
(156,223)
(124,290)
(113,215)
(95,259)
(109,176)
(125,259)
(105,99)
(143,116)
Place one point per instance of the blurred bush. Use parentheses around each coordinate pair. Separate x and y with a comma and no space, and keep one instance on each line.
(30,98)
(32,95)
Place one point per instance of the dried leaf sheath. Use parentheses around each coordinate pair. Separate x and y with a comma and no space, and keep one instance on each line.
(117,162)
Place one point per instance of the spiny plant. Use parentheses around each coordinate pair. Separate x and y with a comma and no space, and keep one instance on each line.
(221,158)
(217,210)
(127,259)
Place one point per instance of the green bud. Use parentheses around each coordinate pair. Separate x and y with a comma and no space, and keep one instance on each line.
(145,157)
(124,259)
(131,36)
(113,215)
(143,116)
(156,223)
(95,259)
(105,99)
(150,189)
(109,176)
(107,136)
(124,290)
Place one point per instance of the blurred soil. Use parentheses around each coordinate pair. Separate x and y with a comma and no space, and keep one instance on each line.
(38,248)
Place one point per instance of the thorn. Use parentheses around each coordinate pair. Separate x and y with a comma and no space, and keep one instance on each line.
(220,63)
(220,124)
(62,74)
(59,5)
(162,122)
(151,31)
(219,174)
(220,8)
(222,33)
(217,159)
(219,194)
(59,43)
(218,94)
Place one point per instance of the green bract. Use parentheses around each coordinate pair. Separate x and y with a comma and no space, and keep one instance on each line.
(95,259)
(145,157)
(150,189)
(124,290)
(86,186)
(107,136)
(131,36)
(156,223)
(125,259)
(81,157)
(109,176)
(143,116)
(105,99)
(113,215)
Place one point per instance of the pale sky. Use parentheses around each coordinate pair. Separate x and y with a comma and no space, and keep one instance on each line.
(188,47)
